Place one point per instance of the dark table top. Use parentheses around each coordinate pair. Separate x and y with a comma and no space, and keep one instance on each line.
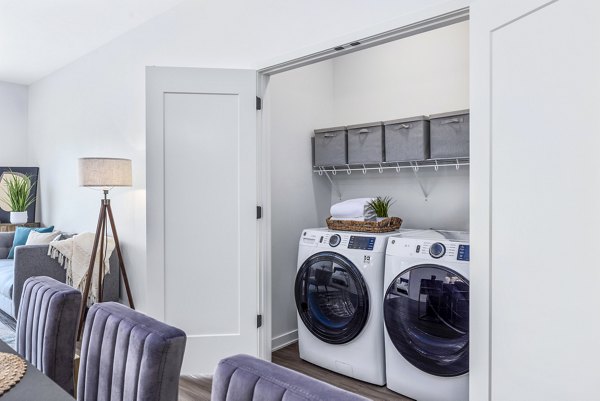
(33,386)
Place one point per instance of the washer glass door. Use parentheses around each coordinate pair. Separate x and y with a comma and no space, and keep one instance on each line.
(426,312)
(331,297)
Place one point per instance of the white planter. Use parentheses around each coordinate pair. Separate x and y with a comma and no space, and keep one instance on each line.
(18,217)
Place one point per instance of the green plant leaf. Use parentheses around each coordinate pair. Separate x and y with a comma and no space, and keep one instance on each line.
(381,205)
(18,192)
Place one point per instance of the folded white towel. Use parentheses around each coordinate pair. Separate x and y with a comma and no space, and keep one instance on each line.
(361,218)
(353,208)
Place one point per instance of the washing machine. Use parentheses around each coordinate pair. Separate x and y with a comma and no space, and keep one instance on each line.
(426,315)
(338,291)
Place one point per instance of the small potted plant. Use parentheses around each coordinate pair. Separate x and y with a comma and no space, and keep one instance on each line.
(381,206)
(18,196)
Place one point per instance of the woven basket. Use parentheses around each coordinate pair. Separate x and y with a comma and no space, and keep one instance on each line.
(12,370)
(384,226)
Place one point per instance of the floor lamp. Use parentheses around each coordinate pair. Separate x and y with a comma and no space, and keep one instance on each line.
(104,173)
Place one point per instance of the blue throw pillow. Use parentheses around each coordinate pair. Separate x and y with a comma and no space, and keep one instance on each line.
(21,235)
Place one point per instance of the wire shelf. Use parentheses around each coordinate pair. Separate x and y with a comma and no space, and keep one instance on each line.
(415,166)
(398,166)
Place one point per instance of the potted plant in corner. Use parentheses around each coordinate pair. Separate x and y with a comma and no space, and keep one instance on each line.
(18,196)
(381,206)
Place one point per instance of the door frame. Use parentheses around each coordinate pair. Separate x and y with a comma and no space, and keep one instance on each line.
(449,13)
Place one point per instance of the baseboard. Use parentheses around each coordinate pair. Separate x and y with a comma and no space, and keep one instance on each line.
(284,340)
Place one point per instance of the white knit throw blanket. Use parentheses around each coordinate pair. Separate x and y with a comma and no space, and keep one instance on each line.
(74,254)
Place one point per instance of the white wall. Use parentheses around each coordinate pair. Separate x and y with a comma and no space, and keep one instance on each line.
(13,125)
(420,75)
(96,105)
(298,101)
(376,84)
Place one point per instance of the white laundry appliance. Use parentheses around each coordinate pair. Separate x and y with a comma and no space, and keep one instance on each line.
(426,315)
(338,290)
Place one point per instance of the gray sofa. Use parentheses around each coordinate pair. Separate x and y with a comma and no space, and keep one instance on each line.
(33,260)
(245,378)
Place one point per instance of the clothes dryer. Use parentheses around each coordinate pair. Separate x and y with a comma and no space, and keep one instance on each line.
(426,315)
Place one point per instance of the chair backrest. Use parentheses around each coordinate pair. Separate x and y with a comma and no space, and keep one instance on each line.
(128,356)
(245,378)
(46,327)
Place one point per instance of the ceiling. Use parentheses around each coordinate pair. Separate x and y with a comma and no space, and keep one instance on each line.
(38,37)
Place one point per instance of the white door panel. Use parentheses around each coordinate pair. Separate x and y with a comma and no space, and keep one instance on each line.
(535,218)
(197,195)
(202,244)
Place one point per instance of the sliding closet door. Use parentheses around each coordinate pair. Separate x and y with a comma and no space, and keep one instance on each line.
(535,183)
(201,225)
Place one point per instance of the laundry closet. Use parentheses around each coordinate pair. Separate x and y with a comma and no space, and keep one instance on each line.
(419,75)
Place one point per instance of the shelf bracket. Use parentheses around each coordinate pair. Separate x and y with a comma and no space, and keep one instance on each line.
(333,185)
(415,170)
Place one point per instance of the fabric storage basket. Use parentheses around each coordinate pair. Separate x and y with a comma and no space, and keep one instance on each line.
(330,146)
(449,135)
(365,143)
(407,139)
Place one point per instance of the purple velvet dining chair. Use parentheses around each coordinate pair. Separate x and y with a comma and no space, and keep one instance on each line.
(46,326)
(245,378)
(128,356)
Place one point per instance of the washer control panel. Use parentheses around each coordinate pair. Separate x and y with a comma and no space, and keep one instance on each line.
(341,240)
(364,243)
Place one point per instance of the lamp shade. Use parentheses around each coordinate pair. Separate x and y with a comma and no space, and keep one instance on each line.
(104,172)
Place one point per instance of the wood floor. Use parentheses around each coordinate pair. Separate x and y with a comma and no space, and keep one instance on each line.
(197,388)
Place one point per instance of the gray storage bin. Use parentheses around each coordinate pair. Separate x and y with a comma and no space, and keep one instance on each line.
(365,143)
(407,139)
(449,135)
(330,146)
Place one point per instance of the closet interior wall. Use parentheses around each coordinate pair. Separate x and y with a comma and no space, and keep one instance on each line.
(419,75)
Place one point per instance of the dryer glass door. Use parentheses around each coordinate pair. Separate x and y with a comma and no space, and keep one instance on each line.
(426,312)
(332,297)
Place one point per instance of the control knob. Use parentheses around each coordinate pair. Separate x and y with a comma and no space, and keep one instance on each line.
(437,250)
(335,240)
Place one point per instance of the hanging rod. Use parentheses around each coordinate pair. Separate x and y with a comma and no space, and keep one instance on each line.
(380,167)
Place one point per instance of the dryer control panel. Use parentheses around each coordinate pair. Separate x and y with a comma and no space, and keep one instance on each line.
(429,249)
(463,252)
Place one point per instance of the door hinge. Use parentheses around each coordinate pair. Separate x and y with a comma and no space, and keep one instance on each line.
(258,321)
(258,212)
(258,103)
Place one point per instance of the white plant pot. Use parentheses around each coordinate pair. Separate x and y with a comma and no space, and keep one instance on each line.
(18,217)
